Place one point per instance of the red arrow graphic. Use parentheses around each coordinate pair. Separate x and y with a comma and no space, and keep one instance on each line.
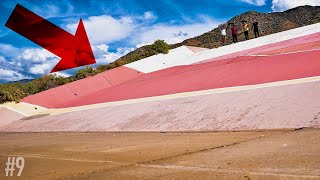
(74,51)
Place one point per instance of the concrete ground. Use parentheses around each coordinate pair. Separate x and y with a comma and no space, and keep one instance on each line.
(281,154)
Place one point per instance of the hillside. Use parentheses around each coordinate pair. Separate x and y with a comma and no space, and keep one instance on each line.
(269,22)
(22,81)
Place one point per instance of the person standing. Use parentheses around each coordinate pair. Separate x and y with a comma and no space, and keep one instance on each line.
(246,29)
(255,27)
(223,31)
(234,33)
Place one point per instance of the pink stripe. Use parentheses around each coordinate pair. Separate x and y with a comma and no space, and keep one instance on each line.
(218,74)
(274,46)
(61,95)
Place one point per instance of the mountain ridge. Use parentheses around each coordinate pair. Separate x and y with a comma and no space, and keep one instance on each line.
(269,23)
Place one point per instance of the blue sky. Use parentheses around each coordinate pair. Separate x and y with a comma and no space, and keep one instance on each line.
(117,27)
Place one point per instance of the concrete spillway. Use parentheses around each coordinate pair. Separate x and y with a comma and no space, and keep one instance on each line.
(270,82)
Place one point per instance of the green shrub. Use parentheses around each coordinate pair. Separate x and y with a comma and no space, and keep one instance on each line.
(160,46)
(30,88)
(102,68)
(83,73)
(11,92)
(47,82)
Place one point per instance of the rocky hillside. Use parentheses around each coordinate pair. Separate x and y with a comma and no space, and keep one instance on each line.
(269,22)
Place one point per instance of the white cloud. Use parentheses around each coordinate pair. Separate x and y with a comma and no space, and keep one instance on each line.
(137,31)
(29,61)
(40,69)
(36,61)
(108,58)
(11,75)
(61,74)
(103,47)
(103,56)
(8,49)
(282,5)
(105,29)
(2,59)
(36,55)
(58,9)
(255,2)
(149,15)
(172,33)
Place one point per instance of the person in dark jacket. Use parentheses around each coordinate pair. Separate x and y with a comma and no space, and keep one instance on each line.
(255,27)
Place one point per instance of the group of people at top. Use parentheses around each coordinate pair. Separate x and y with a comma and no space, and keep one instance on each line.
(234,31)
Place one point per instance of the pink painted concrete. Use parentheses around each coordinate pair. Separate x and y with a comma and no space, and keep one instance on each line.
(51,98)
(289,106)
(120,75)
(7,116)
(89,85)
(61,95)
(294,48)
(196,49)
(274,46)
(211,75)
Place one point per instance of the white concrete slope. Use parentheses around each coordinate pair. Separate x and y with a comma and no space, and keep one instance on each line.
(162,61)
(184,55)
